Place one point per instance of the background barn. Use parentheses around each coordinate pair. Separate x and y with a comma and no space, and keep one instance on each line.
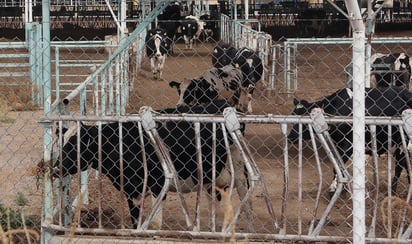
(303,68)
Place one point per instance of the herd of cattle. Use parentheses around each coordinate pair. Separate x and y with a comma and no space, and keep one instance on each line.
(233,77)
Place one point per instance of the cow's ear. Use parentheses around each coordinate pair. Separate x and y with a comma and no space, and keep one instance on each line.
(174,84)
(296,101)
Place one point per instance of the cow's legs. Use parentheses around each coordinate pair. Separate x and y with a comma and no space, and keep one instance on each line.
(153,67)
(160,65)
(334,185)
(187,41)
(401,163)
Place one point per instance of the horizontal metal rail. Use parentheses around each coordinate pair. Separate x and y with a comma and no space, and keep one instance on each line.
(349,41)
(269,119)
(216,235)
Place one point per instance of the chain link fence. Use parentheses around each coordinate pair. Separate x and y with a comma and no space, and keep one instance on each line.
(290,183)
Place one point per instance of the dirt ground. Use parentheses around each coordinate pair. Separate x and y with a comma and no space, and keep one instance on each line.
(320,72)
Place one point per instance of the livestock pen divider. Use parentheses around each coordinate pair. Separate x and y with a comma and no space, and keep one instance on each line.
(317,121)
(291,55)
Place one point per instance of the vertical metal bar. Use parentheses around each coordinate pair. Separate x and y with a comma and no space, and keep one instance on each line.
(145,173)
(273,68)
(47,136)
(47,208)
(103,92)
(295,68)
(83,99)
(286,70)
(96,96)
(285,191)
(230,159)
(319,168)
(111,89)
(300,205)
(371,232)
(213,193)
(57,71)
(59,183)
(199,174)
(100,173)
(139,50)
(30,42)
(358,58)
(121,169)
(117,83)
(126,80)
(79,176)
(389,213)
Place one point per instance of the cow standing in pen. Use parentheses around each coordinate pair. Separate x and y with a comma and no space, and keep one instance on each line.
(223,54)
(386,101)
(170,19)
(180,139)
(251,65)
(157,49)
(215,84)
(245,59)
(191,27)
(210,26)
(390,70)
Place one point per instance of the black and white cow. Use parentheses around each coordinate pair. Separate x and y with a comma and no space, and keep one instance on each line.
(215,84)
(251,65)
(385,101)
(223,54)
(390,70)
(191,28)
(157,49)
(210,26)
(180,139)
(170,19)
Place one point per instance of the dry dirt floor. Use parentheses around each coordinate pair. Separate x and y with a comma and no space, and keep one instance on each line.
(319,71)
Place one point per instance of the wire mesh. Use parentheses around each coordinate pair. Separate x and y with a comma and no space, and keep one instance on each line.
(297,176)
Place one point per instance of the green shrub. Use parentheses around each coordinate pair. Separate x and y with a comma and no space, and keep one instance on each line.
(14,215)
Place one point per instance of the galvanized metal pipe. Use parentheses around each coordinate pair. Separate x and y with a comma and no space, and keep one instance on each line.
(199,174)
(371,232)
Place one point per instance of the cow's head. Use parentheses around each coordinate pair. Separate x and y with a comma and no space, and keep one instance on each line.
(189,28)
(157,42)
(403,63)
(302,107)
(69,155)
(223,54)
(390,69)
(251,65)
(193,92)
